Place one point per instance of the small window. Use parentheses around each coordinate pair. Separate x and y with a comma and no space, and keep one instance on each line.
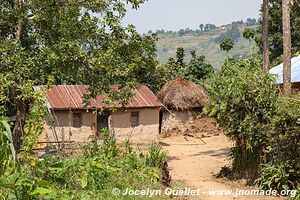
(77,120)
(134,119)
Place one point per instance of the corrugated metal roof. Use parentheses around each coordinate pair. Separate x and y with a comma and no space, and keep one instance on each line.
(295,71)
(71,96)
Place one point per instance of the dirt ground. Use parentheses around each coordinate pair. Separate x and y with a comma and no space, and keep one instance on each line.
(194,163)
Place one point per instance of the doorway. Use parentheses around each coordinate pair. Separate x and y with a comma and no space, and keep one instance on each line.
(102,122)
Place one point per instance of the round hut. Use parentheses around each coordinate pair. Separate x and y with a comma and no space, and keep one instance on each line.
(181,99)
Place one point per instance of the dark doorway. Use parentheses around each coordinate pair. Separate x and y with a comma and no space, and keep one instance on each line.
(102,122)
(161,114)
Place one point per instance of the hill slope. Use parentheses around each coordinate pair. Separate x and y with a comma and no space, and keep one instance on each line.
(205,43)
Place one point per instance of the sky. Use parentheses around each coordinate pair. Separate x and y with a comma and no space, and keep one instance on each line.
(177,14)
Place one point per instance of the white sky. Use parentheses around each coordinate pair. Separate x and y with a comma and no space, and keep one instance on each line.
(177,14)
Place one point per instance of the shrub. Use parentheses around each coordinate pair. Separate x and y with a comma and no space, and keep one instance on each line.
(275,176)
(91,176)
(242,99)
(156,156)
(284,146)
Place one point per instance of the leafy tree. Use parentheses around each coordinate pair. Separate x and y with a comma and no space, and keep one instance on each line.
(275,30)
(73,46)
(251,22)
(249,34)
(175,67)
(226,44)
(181,32)
(242,99)
(198,69)
(201,26)
(180,59)
(209,27)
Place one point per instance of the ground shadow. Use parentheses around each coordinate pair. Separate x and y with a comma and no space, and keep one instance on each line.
(215,153)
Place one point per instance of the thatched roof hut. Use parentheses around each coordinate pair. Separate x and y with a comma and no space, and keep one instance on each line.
(181,94)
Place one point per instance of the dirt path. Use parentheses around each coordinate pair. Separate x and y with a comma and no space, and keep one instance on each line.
(194,163)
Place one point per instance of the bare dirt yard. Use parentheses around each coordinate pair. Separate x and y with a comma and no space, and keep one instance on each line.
(193,164)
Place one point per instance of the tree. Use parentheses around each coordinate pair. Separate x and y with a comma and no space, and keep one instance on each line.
(73,46)
(180,60)
(242,100)
(181,32)
(249,34)
(233,33)
(209,27)
(265,33)
(251,22)
(175,67)
(286,21)
(201,26)
(276,30)
(226,44)
(198,69)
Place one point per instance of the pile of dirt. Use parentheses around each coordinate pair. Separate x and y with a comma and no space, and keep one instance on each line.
(202,127)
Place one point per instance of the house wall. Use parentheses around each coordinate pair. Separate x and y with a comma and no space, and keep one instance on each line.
(64,129)
(176,122)
(296,88)
(147,131)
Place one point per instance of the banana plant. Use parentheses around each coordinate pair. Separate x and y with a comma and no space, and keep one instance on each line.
(7,150)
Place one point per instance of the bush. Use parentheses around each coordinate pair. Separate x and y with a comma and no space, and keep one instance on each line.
(264,125)
(284,146)
(242,99)
(275,176)
(90,176)
(156,156)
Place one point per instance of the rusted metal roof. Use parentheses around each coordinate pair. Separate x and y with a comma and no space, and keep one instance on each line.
(71,97)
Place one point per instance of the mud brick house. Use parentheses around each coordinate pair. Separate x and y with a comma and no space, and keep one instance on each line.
(182,100)
(70,121)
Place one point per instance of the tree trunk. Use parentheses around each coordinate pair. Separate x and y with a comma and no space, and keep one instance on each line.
(286,21)
(21,115)
(20,106)
(266,61)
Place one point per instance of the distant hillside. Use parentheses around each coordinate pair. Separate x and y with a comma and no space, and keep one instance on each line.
(205,43)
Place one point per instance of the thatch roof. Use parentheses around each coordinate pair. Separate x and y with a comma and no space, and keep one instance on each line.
(180,94)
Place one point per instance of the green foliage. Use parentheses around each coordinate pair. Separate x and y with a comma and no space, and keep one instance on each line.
(156,156)
(176,67)
(275,176)
(226,44)
(275,30)
(249,34)
(83,42)
(7,150)
(109,146)
(180,60)
(284,138)
(5,83)
(90,176)
(264,126)
(242,100)
(198,69)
